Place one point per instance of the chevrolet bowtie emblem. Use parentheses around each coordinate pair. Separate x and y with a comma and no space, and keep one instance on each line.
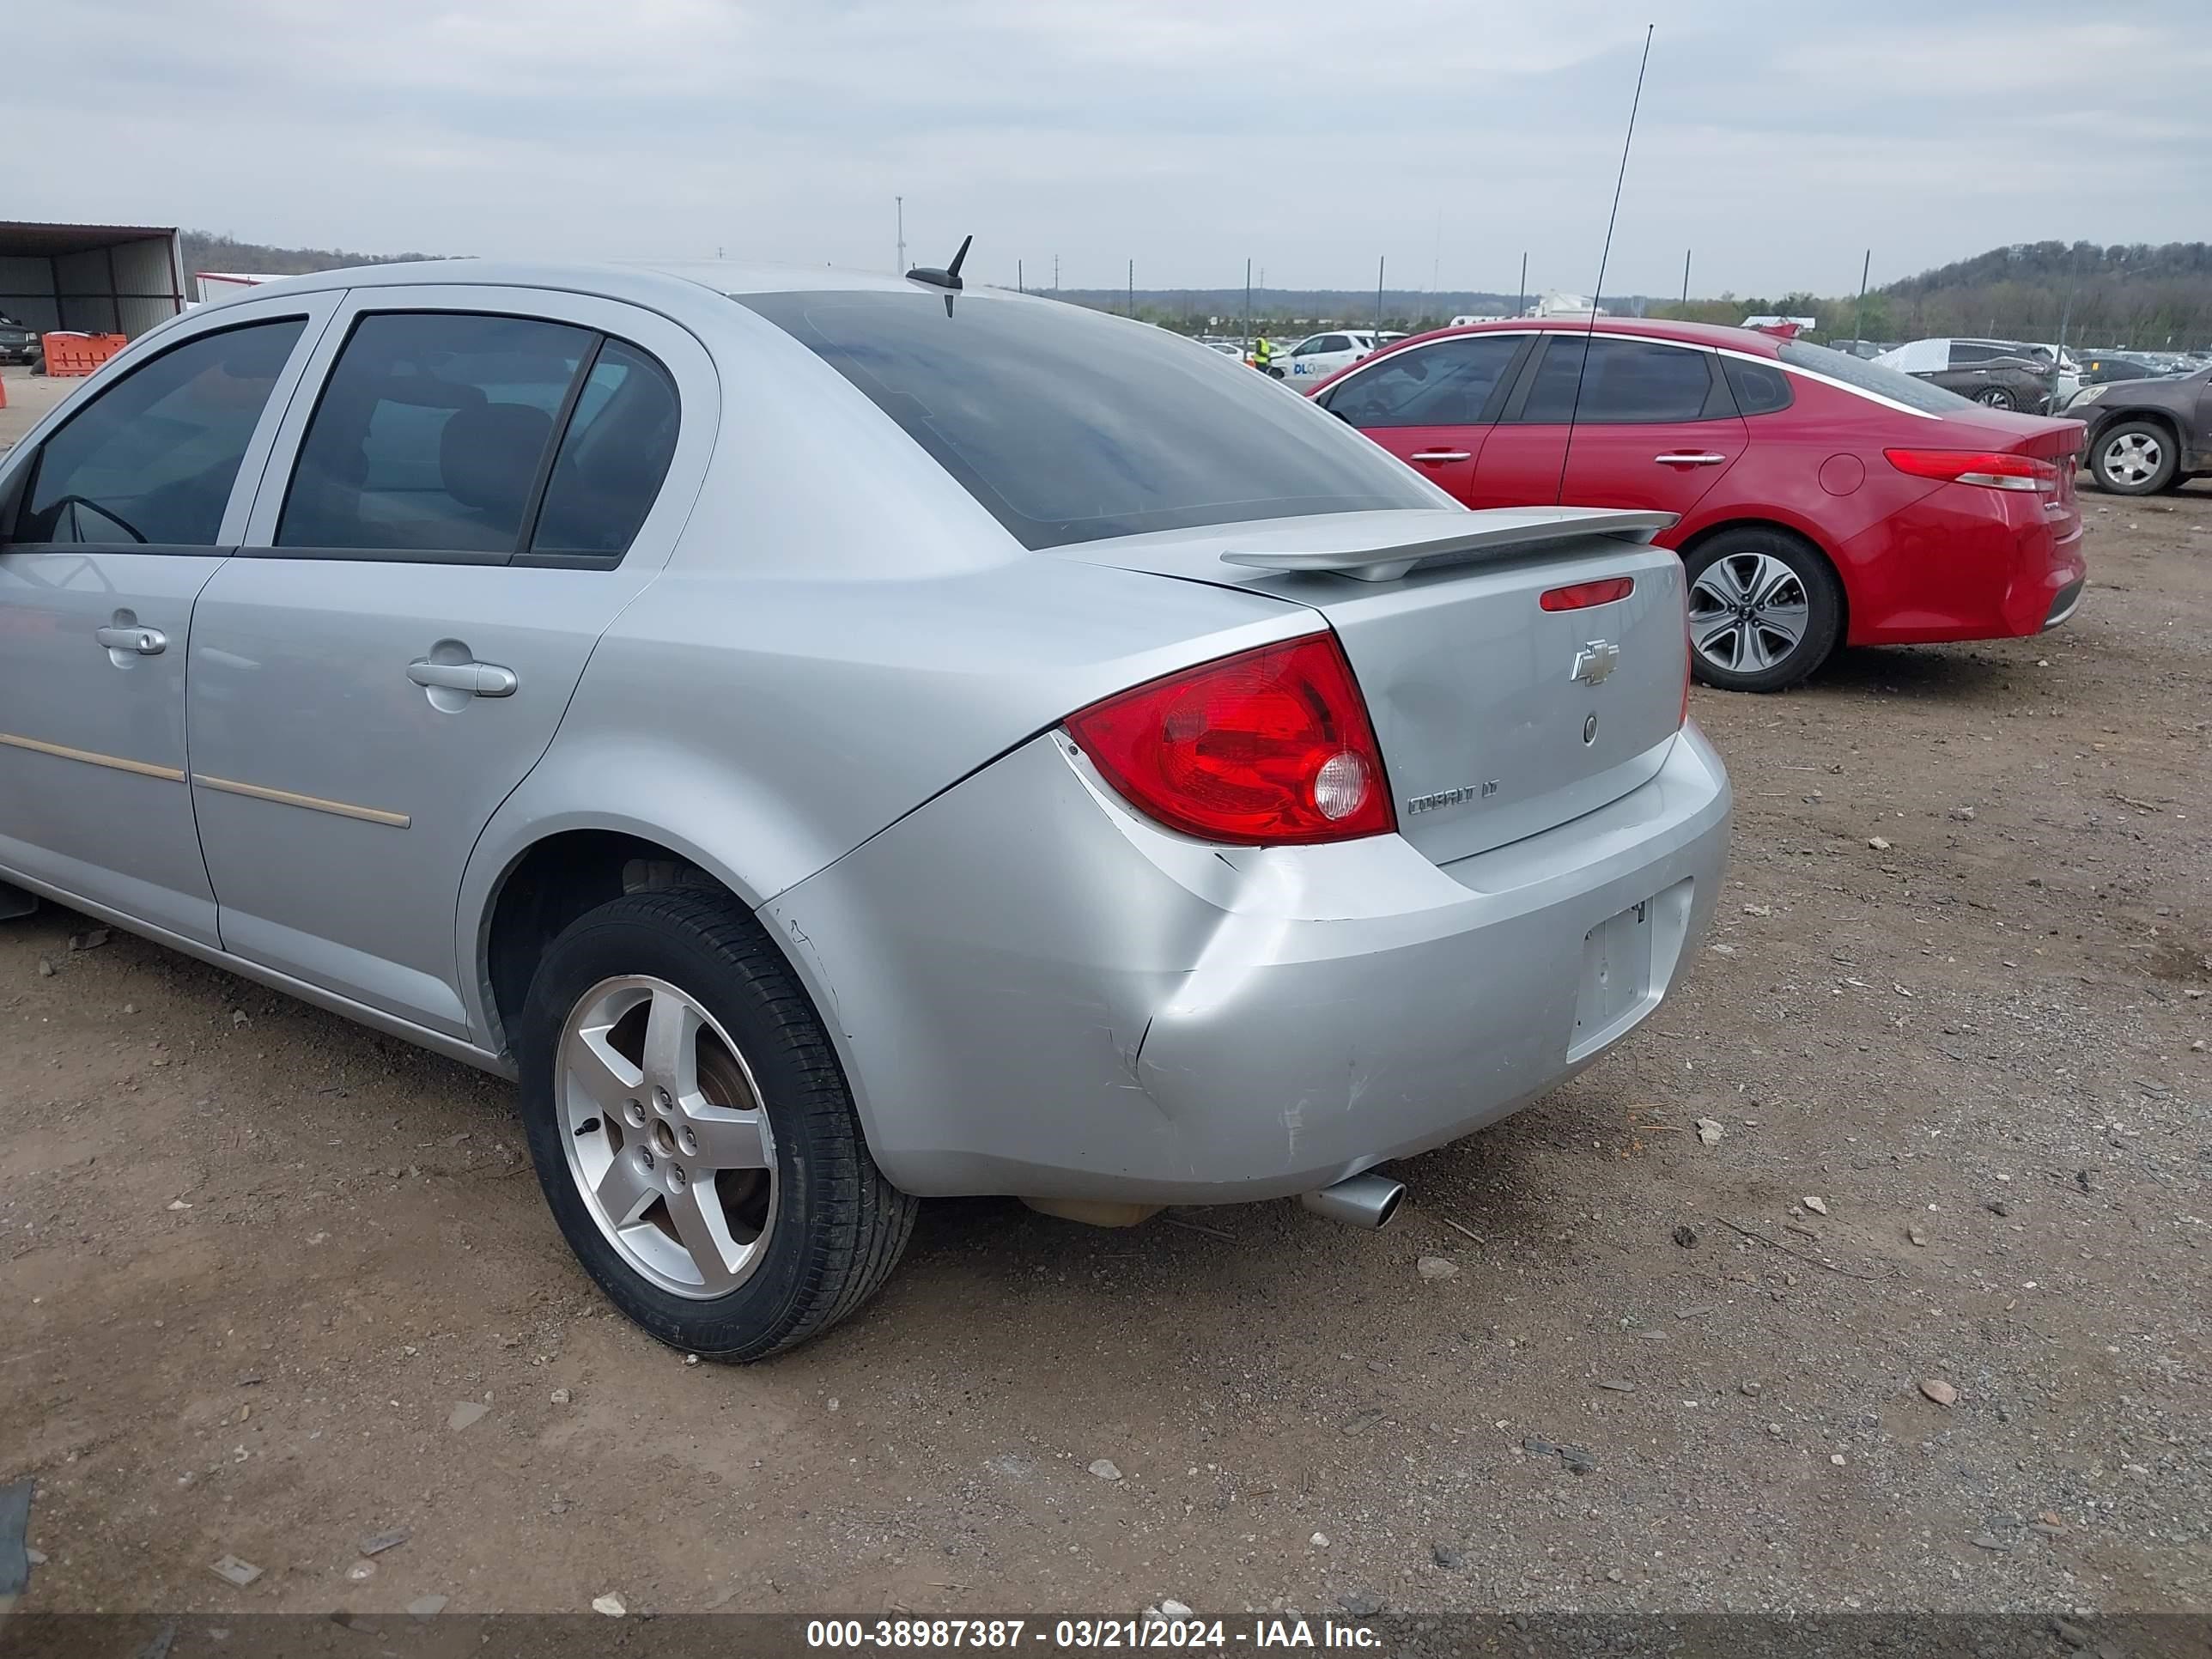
(1595,662)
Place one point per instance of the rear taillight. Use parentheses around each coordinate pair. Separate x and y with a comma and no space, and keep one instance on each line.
(1269,747)
(1582,595)
(1989,468)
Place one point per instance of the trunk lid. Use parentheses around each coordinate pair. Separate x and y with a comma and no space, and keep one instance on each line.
(1498,719)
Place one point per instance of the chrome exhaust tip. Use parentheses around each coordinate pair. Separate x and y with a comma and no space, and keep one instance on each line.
(1360,1201)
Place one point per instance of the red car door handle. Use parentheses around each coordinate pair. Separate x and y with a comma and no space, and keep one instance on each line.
(1438,457)
(1690,458)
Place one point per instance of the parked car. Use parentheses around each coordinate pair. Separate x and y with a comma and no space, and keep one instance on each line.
(1995,373)
(1319,355)
(1812,490)
(2099,366)
(19,342)
(2146,436)
(1090,809)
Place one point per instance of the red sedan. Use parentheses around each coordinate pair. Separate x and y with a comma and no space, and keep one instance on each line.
(1821,499)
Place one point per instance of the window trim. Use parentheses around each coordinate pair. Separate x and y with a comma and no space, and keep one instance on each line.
(21,467)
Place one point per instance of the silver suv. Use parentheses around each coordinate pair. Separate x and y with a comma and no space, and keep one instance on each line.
(837,740)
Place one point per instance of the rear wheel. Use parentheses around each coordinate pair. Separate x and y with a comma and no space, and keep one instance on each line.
(2136,458)
(693,1132)
(1765,610)
(1996,397)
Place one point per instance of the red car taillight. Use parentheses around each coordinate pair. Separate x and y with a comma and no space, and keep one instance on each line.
(1268,748)
(1582,595)
(1989,468)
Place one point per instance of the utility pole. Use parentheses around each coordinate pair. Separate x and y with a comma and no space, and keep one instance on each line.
(1248,308)
(1020,287)
(1132,288)
(1686,275)
(1379,259)
(1521,303)
(901,201)
(1056,273)
(1858,311)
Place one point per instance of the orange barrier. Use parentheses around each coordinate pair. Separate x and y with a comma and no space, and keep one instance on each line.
(80,354)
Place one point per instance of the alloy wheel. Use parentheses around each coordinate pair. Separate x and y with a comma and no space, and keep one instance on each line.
(1748,611)
(666,1136)
(2132,459)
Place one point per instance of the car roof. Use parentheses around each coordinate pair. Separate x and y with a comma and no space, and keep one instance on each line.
(643,281)
(1716,335)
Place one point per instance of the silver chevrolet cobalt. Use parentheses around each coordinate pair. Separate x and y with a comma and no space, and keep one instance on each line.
(838,741)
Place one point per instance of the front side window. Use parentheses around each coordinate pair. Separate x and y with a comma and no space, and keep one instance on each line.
(1447,384)
(432,433)
(152,457)
(1068,426)
(1625,382)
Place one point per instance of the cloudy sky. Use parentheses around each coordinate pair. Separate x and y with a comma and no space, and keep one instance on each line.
(1311,135)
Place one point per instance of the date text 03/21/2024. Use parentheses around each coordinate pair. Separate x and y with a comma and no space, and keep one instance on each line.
(1171,1635)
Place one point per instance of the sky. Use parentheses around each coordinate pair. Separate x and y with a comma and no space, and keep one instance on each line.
(1778,144)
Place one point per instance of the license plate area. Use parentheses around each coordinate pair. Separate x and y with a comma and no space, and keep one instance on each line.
(1616,988)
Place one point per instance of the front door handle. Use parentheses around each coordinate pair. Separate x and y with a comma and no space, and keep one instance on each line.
(1687,458)
(146,642)
(478,679)
(1438,457)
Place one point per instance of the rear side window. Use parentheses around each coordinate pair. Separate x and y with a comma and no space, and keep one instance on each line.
(1760,388)
(1627,382)
(1964,354)
(612,462)
(432,433)
(152,457)
(1069,426)
(1447,384)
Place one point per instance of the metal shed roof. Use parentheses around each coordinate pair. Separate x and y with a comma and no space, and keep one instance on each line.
(23,240)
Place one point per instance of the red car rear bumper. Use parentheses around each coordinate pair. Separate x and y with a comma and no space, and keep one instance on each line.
(1965,562)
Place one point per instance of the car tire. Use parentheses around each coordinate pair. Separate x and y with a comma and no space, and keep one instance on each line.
(2135,458)
(727,1230)
(1765,609)
(1996,397)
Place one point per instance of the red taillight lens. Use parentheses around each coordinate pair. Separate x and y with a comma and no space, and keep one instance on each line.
(1989,468)
(1582,595)
(1269,747)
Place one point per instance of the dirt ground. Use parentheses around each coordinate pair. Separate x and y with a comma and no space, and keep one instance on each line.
(253,1260)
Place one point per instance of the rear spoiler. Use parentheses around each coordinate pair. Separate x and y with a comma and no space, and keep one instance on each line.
(1497,530)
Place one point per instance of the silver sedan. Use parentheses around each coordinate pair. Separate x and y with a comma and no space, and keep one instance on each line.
(837,740)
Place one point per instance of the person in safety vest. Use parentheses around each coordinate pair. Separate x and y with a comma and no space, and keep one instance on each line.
(1263,356)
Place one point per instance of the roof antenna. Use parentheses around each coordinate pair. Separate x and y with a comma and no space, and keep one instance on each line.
(1559,495)
(948,278)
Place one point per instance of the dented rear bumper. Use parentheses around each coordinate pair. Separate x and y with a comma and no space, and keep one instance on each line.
(1037,991)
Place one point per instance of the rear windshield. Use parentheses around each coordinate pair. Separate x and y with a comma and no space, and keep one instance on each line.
(1070,426)
(1894,383)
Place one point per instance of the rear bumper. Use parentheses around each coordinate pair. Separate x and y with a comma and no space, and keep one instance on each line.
(1038,992)
(1964,563)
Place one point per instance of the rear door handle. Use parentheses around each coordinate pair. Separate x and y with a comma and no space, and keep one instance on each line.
(478,679)
(1691,457)
(146,642)
(1438,457)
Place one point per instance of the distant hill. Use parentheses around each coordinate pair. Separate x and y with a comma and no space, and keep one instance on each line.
(204,250)
(2154,297)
